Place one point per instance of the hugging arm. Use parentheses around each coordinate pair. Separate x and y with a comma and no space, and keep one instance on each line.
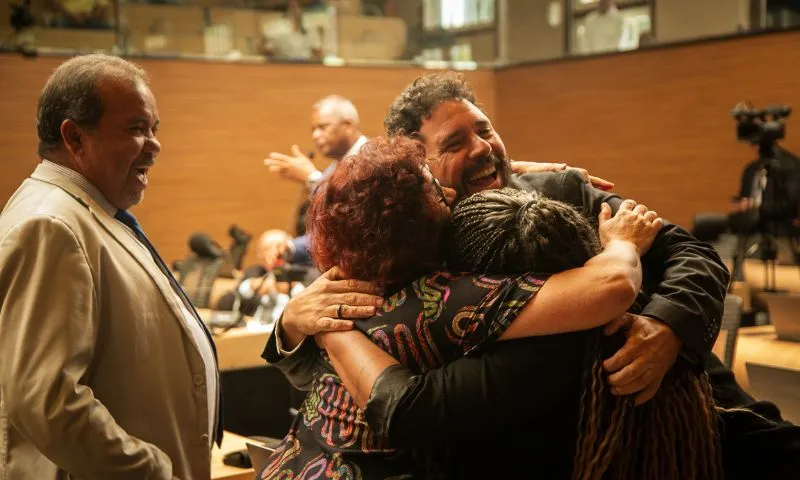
(572,300)
(685,277)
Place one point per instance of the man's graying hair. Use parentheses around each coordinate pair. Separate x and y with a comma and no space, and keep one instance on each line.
(421,97)
(71,94)
(339,106)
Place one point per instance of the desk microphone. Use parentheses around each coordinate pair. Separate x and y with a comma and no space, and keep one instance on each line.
(202,245)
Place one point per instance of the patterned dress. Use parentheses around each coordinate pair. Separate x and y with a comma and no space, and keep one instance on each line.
(436,320)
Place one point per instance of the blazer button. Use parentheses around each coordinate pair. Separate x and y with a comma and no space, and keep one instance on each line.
(204,439)
(199,379)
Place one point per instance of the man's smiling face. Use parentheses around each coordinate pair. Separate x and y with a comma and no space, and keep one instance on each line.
(465,151)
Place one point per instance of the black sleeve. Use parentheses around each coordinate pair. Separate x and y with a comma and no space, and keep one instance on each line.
(300,367)
(476,395)
(685,278)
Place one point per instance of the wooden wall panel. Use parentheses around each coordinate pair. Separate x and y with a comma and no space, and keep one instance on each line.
(657,122)
(218,122)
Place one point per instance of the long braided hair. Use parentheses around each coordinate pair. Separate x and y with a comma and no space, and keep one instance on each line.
(674,435)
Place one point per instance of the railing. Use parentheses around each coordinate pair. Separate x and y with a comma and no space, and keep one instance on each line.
(430,33)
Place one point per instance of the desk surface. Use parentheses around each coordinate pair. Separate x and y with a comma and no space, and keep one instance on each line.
(219,471)
(240,348)
(760,344)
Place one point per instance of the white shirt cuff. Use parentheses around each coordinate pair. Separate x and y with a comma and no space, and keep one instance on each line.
(279,344)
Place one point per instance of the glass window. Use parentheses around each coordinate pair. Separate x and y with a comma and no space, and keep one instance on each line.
(458,13)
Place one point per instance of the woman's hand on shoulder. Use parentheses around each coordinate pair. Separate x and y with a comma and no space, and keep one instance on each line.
(330,303)
(632,223)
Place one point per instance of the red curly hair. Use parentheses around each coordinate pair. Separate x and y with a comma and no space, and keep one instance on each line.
(377,217)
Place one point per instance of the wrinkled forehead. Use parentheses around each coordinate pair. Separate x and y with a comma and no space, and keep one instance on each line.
(325,114)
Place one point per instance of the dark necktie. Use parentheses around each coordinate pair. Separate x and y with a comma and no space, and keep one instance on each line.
(130,221)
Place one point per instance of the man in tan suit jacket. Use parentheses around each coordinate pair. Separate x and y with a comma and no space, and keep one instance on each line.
(106,372)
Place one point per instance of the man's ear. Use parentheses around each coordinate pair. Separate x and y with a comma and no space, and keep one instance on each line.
(73,136)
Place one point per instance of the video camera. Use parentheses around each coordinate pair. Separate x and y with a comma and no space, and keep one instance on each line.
(759,126)
(771,183)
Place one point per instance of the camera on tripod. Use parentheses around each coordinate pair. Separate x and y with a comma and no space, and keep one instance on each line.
(770,186)
(758,126)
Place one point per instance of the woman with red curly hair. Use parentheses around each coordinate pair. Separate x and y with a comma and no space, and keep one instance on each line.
(381,217)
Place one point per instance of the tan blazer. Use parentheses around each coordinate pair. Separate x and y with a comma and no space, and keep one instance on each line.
(99,376)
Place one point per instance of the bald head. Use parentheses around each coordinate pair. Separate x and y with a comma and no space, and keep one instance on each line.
(334,126)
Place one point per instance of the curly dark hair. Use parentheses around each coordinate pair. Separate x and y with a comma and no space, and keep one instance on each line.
(376,216)
(421,97)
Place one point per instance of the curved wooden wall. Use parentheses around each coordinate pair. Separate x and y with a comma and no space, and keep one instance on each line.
(657,122)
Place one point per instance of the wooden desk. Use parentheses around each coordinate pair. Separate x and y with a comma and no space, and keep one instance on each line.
(240,348)
(219,471)
(759,344)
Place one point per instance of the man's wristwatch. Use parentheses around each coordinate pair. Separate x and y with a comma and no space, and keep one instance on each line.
(313,179)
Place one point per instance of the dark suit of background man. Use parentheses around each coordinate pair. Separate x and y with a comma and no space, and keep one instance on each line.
(106,370)
(336,134)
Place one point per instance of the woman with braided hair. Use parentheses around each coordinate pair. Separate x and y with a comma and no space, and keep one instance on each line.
(674,436)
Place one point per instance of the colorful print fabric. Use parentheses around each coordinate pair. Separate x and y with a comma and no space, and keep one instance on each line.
(434,321)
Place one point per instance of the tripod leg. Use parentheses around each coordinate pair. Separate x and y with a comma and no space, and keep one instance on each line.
(737,275)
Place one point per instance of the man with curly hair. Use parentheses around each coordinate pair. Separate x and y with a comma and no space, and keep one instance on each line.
(685,279)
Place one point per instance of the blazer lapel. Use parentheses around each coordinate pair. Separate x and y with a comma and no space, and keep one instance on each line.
(119,232)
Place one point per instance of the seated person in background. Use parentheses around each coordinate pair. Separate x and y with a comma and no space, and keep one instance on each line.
(266,278)
(288,39)
(443,316)
(94,14)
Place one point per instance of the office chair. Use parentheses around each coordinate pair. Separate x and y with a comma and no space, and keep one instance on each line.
(196,275)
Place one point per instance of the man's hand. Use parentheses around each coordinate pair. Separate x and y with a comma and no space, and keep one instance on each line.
(534,167)
(648,354)
(317,308)
(295,167)
(597,182)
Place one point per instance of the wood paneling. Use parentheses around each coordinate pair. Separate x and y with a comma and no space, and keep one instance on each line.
(218,122)
(657,122)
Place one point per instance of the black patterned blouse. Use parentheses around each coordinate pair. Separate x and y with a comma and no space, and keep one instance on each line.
(432,322)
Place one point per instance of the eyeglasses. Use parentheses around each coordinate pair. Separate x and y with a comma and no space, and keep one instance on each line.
(439,190)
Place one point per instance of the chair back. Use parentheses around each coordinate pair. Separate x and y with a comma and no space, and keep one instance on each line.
(731,320)
(197,275)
